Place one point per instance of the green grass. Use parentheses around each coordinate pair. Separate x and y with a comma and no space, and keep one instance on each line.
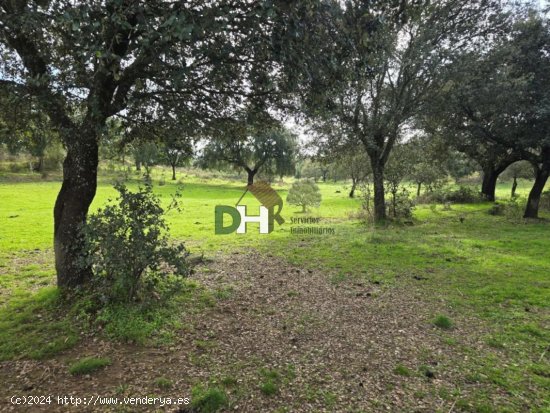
(208,399)
(488,267)
(401,370)
(443,322)
(88,365)
(31,325)
(270,381)
(163,383)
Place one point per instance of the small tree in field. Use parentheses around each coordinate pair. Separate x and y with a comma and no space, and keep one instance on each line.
(304,193)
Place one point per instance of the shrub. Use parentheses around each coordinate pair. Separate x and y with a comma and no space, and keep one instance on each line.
(545,201)
(512,209)
(305,194)
(460,195)
(88,365)
(127,246)
(497,209)
(366,213)
(400,205)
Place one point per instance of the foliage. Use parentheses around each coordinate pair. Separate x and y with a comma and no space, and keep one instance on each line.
(176,151)
(88,365)
(401,205)
(252,147)
(513,209)
(501,116)
(146,154)
(208,399)
(518,170)
(127,246)
(382,82)
(460,195)
(304,193)
(427,162)
(354,165)
(86,62)
(312,169)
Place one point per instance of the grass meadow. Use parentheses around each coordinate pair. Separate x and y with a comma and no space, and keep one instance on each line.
(478,269)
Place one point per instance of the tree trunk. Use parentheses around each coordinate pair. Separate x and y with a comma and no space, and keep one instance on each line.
(138,165)
(394,202)
(489,184)
(514,187)
(40,166)
(251,173)
(418,188)
(532,207)
(173,172)
(353,186)
(379,197)
(71,207)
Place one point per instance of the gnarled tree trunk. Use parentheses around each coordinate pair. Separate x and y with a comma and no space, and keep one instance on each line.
(489,184)
(71,207)
(379,196)
(514,186)
(532,207)
(251,174)
(353,186)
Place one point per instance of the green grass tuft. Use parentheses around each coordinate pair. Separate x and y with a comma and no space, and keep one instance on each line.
(270,382)
(269,388)
(442,322)
(208,399)
(163,383)
(401,370)
(88,365)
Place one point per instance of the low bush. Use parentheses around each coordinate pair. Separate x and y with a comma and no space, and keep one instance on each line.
(460,195)
(497,209)
(511,209)
(545,201)
(128,248)
(400,205)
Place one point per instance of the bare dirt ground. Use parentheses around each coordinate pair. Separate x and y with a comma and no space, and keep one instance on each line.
(335,347)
